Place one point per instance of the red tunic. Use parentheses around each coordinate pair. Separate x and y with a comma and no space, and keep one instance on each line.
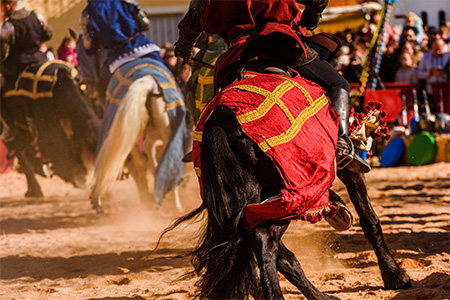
(292,121)
(240,22)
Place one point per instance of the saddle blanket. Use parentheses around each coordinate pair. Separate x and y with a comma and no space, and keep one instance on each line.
(293,123)
(170,167)
(37,81)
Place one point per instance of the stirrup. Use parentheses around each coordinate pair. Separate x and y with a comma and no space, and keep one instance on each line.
(348,158)
(345,155)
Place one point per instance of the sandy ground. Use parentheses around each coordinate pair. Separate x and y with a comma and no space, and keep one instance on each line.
(59,248)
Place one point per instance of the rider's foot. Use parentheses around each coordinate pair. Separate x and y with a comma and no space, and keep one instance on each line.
(343,219)
(348,158)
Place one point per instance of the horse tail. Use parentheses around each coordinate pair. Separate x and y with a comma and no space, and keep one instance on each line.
(224,258)
(70,102)
(129,122)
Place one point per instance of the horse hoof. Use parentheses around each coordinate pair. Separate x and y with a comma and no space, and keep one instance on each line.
(34,194)
(78,182)
(402,281)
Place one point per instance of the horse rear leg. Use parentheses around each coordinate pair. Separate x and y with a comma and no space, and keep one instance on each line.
(136,165)
(176,196)
(54,144)
(289,266)
(393,276)
(265,245)
(34,189)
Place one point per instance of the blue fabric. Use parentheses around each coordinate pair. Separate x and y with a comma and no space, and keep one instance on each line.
(170,167)
(111,23)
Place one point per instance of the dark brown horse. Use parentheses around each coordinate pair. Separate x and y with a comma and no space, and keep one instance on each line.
(233,262)
(50,125)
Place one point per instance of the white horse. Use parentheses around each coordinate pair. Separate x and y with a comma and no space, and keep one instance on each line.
(143,100)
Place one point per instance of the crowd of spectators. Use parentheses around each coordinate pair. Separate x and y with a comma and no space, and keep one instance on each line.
(413,53)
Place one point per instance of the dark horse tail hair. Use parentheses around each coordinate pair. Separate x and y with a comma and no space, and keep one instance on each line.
(72,104)
(224,260)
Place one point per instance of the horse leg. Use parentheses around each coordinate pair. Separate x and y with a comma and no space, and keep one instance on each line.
(289,266)
(137,168)
(265,245)
(96,202)
(176,196)
(34,189)
(393,276)
(158,135)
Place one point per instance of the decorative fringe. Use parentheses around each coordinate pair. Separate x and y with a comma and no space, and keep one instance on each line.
(367,126)
(316,214)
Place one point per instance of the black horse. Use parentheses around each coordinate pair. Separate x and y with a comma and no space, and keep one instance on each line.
(235,263)
(50,125)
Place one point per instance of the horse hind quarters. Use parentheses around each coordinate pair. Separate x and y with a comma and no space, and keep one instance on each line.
(236,264)
(142,112)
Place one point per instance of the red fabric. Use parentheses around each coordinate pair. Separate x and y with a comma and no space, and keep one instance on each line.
(305,160)
(5,163)
(232,20)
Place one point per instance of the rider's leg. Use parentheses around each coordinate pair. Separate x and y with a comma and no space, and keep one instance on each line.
(337,88)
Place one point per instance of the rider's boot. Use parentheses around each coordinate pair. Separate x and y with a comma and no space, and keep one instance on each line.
(346,156)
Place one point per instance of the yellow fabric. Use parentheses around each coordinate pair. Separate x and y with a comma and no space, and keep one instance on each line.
(204,90)
(43,74)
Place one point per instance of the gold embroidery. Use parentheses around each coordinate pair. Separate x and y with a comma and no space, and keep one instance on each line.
(198,171)
(36,78)
(271,99)
(175,104)
(198,136)
(29,94)
(296,126)
(124,81)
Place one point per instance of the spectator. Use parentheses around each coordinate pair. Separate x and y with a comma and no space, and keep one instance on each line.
(423,47)
(407,72)
(412,49)
(412,20)
(171,62)
(353,70)
(432,66)
(393,43)
(67,51)
(390,62)
(435,34)
(166,46)
(185,74)
(409,33)
(445,32)
(342,59)
(369,31)
(47,51)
